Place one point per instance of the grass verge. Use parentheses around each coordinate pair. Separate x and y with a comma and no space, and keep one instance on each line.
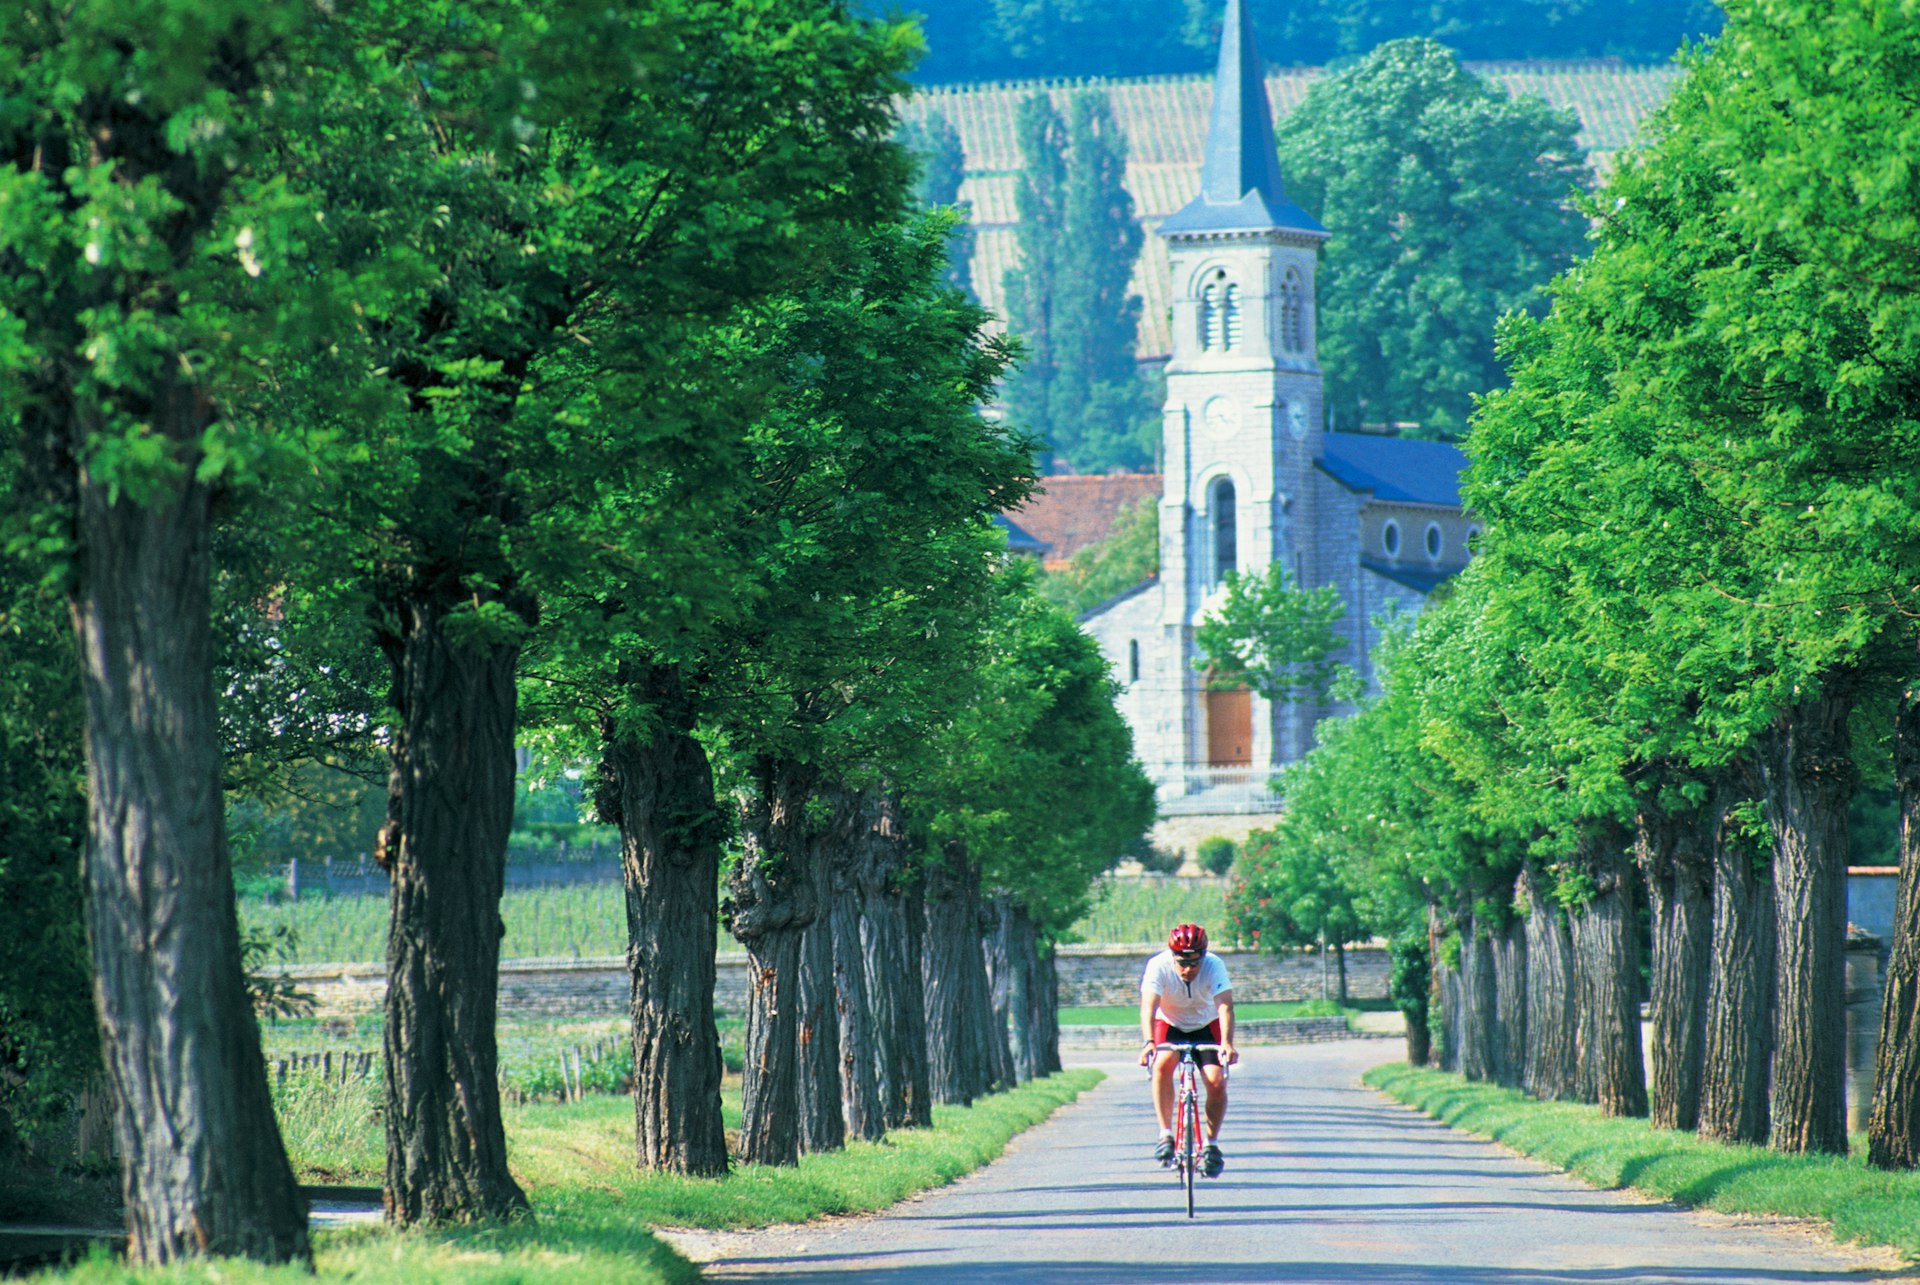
(576,1163)
(1861,1204)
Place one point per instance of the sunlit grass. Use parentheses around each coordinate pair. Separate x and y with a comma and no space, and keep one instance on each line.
(593,1210)
(1862,1204)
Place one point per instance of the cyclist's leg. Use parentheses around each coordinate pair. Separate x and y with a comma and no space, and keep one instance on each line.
(1163,1064)
(1215,1079)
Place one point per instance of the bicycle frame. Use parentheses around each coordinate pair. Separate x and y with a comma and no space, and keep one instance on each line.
(1186,1113)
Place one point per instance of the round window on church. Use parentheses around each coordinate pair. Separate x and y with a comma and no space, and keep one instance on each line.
(1434,543)
(1390,538)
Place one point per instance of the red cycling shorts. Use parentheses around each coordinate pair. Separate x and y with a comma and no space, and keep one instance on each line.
(1208,1034)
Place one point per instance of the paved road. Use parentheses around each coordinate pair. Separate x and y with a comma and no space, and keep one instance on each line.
(1327,1183)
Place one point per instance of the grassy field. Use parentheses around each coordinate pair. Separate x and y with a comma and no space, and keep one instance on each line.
(593,1211)
(591,919)
(1864,1205)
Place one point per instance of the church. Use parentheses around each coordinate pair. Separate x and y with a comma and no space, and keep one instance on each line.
(1252,478)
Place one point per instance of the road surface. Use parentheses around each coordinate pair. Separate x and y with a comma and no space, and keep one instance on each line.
(1327,1183)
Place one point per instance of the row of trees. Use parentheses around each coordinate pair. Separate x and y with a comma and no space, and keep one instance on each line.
(1690,630)
(436,380)
(1018,39)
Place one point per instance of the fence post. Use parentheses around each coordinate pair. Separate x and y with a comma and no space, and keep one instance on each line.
(293,878)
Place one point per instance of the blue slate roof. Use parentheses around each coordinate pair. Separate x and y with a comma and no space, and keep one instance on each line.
(1240,187)
(1395,468)
(1422,580)
(1019,540)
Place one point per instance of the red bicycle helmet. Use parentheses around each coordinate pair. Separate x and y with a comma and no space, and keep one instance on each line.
(1188,939)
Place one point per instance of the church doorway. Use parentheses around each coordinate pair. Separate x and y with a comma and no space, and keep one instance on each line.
(1230,728)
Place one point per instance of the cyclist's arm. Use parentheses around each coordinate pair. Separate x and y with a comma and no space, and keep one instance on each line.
(1228,1054)
(1149,1001)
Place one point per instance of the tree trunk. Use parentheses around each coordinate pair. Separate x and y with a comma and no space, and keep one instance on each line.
(823,1122)
(914,982)
(890,949)
(1674,852)
(202,1165)
(771,898)
(449,809)
(955,977)
(1011,964)
(660,793)
(1510,996)
(1893,1129)
(853,829)
(1606,971)
(1739,1035)
(1478,1000)
(1046,1011)
(1550,1071)
(996,1036)
(1810,779)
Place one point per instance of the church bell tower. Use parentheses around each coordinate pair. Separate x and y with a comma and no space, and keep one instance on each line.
(1245,412)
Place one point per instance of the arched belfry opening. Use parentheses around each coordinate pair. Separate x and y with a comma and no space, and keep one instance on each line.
(1223,517)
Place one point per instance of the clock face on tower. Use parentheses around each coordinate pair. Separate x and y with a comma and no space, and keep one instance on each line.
(1220,414)
(1297,418)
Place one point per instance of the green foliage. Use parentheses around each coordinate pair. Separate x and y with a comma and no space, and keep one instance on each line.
(48,1041)
(1290,894)
(1215,854)
(1068,299)
(1270,635)
(1410,975)
(1107,568)
(1039,779)
(935,143)
(1448,204)
(984,40)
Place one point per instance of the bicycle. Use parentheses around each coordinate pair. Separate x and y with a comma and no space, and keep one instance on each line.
(1186,1113)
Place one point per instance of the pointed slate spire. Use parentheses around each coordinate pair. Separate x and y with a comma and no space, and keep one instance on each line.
(1240,187)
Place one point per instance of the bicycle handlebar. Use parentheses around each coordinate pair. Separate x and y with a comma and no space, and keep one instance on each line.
(1193,1048)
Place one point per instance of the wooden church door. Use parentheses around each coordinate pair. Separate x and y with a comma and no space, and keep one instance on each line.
(1230,728)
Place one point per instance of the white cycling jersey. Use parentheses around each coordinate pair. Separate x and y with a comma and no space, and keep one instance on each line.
(1187,1005)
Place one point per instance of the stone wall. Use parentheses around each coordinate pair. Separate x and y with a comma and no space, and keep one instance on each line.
(1096,975)
(596,988)
(1265,1030)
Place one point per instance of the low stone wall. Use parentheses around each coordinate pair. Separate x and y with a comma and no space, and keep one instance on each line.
(1263,1030)
(1097,975)
(596,987)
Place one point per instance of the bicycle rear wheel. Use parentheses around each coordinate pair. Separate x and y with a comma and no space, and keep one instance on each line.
(1190,1151)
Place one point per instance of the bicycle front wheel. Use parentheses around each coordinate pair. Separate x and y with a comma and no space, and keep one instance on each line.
(1190,1159)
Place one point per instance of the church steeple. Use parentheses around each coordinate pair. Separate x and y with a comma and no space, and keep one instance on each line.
(1240,186)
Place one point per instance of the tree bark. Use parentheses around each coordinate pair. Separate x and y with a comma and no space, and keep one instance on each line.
(449,810)
(890,949)
(1674,851)
(771,898)
(659,791)
(853,828)
(996,973)
(1011,961)
(202,1165)
(1550,1072)
(1735,1062)
(1893,1128)
(823,1124)
(1606,972)
(1810,778)
(1510,997)
(1478,1001)
(1046,1012)
(954,972)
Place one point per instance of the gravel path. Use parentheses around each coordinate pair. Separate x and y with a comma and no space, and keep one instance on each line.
(1326,1182)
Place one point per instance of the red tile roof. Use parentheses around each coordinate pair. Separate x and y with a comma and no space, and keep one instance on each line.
(1073,511)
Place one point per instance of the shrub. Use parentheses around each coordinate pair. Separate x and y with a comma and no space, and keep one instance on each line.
(1215,854)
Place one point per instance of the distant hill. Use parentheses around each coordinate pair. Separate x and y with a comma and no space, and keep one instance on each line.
(1165,121)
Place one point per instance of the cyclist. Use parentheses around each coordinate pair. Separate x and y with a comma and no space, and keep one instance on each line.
(1185,997)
